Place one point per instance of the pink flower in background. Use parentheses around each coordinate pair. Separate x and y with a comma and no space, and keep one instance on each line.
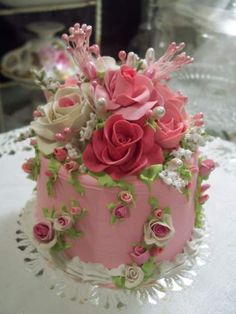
(207,166)
(128,93)
(122,148)
(60,153)
(121,211)
(62,223)
(43,231)
(140,255)
(28,165)
(71,166)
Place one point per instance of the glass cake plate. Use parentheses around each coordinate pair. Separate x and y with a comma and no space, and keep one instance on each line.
(174,275)
(210,89)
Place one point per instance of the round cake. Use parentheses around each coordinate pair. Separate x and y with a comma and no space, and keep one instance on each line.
(117,163)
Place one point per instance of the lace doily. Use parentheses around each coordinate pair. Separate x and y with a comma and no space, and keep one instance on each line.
(174,276)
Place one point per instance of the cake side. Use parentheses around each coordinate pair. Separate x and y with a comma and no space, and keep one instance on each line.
(111,244)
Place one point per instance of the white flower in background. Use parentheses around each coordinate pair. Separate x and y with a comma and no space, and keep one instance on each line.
(69,108)
(133,276)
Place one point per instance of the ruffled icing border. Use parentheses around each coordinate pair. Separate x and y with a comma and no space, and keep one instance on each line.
(91,282)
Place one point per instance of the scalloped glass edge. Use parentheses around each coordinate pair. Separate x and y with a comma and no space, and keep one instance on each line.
(175,275)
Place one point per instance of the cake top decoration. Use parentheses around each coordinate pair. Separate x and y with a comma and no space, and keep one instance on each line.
(119,117)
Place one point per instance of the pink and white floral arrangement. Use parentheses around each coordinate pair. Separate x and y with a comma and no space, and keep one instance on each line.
(117,117)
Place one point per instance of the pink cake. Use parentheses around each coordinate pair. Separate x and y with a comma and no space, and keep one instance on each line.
(118,170)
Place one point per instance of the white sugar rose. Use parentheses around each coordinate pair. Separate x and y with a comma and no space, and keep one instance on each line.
(69,108)
(159,232)
(133,276)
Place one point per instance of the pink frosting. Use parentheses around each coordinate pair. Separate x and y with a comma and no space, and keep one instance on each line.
(111,244)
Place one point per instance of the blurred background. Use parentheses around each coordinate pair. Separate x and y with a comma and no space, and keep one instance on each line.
(30,38)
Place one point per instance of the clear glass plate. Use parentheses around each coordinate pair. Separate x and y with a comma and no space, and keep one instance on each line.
(212,90)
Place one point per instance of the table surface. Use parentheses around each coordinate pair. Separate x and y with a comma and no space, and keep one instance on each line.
(213,291)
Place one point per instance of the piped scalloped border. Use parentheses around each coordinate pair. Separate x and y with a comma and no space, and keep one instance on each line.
(174,276)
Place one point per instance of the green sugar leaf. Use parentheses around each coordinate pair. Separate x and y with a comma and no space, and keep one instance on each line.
(74,181)
(73,233)
(150,174)
(46,212)
(167,210)
(111,206)
(74,203)
(64,208)
(113,220)
(50,185)
(119,281)
(153,202)
(149,267)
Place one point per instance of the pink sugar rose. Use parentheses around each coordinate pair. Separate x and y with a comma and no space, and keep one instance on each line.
(43,231)
(71,166)
(122,148)
(28,165)
(121,211)
(140,255)
(128,93)
(171,127)
(63,222)
(207,166)
(60,153)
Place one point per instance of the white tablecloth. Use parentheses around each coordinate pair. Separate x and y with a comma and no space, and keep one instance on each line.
(213,291)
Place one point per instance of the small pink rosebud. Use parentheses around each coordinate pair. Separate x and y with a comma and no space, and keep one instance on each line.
(205,187)
(122,55)
(48,173)
(126,197)
(121,211)
(60,153)
(198,122)
(71,166)
(76,210)
(207,166)
(158,213)
(62,222)
(67,131)
(140,255)
(198,115)
(28,165)
(59,137)
(203,198)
